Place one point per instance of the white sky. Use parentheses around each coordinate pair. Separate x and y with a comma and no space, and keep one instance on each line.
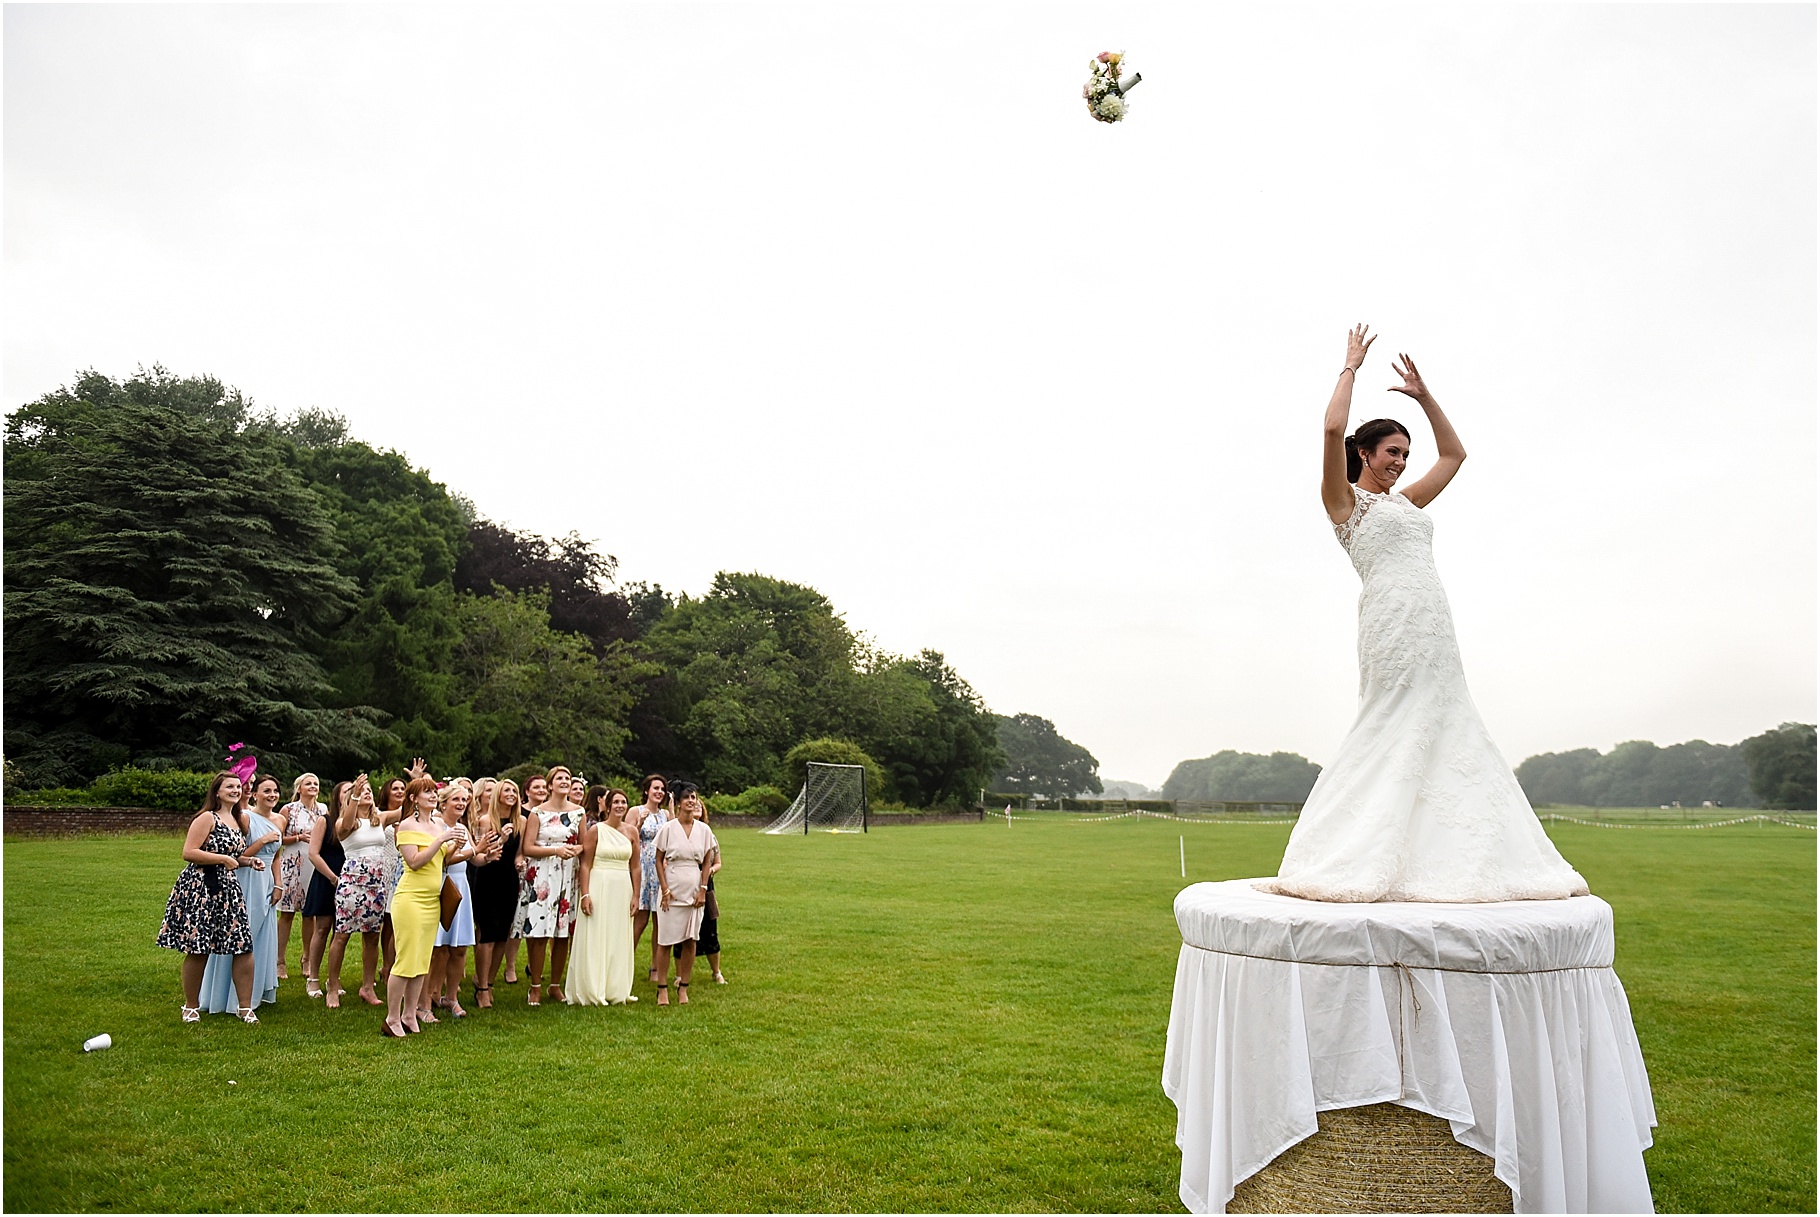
(859,296)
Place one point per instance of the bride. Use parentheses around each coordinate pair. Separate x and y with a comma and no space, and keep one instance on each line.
(1418,803)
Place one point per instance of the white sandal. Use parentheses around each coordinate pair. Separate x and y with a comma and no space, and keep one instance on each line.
(247,1016)
(191,1014)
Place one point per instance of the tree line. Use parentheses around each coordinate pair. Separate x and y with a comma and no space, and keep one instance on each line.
(1773,770)
(184,571)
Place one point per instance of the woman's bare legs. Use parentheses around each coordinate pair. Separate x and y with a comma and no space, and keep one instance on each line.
(559,966)
(331,989)
(684,967)
(534,972)
(284,942)
(193,966)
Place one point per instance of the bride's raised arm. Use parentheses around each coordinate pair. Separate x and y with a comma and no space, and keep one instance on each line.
(1336,491)
(1450,453)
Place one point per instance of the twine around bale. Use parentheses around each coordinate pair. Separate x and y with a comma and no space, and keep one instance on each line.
(1381,1158)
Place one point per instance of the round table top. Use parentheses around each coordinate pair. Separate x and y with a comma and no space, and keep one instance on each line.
(1235,918)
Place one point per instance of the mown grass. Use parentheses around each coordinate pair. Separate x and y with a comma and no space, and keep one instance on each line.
(947,1017)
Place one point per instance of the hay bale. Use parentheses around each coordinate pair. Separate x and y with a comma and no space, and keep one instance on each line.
(1377,1159)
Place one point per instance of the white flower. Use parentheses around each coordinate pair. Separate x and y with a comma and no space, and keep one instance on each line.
(1110,108)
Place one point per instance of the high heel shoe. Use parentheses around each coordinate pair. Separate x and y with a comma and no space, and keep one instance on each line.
(191,1014)
(312,987)
(534,996)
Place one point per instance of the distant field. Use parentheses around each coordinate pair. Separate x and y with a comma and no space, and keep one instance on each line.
(946,1017)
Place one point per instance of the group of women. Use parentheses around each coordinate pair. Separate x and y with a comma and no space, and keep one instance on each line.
(422,871)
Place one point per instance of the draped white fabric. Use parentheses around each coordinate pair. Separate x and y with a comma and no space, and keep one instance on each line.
(1504,1019)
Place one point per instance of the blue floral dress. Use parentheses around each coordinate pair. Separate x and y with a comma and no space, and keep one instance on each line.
(649,893)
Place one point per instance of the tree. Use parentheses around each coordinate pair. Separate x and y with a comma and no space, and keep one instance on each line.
(536,692)
(1782,766)
(1637,773)
(151,556)
(400,533)
(750,669)
(949,755)
(1281,777)
(1039,761)
(578,580)
(829,752)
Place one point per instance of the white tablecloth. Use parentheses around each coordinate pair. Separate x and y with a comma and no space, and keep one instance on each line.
(1504,1019)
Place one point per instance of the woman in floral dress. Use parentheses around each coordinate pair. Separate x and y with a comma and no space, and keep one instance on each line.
(293,879)
(206,914)
(360,895)
(649,817)
(552,843)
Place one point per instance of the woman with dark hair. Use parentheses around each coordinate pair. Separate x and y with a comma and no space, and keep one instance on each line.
(391,809)
(359,895)
(687,855)
(262,825)
(493,878)
(607,881)
(206,914)
(536,794)
(552,842)
(326,857)
(648,818)
(1417,804)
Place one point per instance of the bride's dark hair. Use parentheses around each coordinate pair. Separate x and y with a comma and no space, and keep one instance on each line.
(1366,439)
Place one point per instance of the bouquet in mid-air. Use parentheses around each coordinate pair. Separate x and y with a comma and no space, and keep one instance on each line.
(1104,91)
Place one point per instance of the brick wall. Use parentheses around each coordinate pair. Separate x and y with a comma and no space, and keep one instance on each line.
(68,821)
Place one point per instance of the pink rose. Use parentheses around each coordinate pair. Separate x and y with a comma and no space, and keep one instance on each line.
(1104,57)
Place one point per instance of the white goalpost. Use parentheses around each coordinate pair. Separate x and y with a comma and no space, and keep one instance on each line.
(833,799)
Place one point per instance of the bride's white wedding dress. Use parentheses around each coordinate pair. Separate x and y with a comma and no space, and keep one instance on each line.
(1418,803)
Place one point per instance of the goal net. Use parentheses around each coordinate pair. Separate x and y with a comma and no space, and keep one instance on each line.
(833,799)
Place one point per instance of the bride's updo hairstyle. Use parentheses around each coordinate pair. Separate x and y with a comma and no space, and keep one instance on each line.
(1366,439)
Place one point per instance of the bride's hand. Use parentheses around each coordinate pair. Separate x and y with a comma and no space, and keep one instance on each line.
(1357,343)
(1412,380)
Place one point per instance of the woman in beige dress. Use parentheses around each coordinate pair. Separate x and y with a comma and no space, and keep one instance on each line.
(687,854)
(600,967)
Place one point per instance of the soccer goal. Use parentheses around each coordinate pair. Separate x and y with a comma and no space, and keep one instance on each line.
(833,799)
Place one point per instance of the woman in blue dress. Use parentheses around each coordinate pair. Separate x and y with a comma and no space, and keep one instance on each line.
(263,827)
(648,817)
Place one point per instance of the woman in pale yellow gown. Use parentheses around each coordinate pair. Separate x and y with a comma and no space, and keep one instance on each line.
(600,962)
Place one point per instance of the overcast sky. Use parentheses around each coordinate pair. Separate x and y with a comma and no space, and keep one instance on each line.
(859,296)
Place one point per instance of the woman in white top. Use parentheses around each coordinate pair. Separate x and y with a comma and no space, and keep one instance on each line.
(360,892)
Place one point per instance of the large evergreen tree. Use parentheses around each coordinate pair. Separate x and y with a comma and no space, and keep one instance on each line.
(152,552)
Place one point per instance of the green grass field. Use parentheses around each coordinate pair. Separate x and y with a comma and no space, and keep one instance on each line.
(949,1017)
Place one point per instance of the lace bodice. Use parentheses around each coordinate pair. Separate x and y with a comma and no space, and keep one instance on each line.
(1404,619)
(1418,804)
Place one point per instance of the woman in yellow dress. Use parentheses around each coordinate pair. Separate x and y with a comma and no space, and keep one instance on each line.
(423,840)
(600,963)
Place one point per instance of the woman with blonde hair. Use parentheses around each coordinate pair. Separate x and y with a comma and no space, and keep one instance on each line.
(608,883)
(552,843)
(449,960)
(293,877)
(423,841)
(493,880)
